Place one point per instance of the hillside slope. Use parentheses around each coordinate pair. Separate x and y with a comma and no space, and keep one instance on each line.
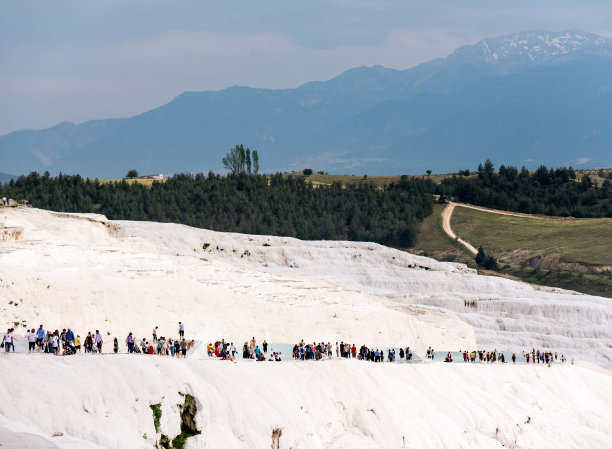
(104,404)
(116,276)
(87,273)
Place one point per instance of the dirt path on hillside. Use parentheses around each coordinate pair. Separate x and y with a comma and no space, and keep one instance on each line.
(446,217)
(503,212)
(448,212)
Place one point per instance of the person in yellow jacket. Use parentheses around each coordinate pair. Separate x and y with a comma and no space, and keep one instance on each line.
(77,343)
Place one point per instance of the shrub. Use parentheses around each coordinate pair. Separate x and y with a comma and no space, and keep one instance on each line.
(157,413)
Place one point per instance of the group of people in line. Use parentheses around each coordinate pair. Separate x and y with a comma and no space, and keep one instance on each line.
(8,340)
(67,343)
(543,357)
(318,351)
(495,356)
(159,345)
(250,350)
(55,342)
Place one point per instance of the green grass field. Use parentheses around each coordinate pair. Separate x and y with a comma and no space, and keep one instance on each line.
(595,174)
(591,284)
(586,241)
(572,254)
(432,241)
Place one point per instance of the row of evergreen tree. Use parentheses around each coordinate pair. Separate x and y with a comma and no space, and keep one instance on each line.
(253,204)
(291,206)
(546,191)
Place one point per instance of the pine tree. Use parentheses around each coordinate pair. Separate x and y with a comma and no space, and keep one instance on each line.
(481,256)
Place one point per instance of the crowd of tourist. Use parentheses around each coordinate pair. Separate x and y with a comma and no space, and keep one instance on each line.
(318,351)
(158,345)
(495,356)
(55,342)
(67,343)
(8,340)
(251,350)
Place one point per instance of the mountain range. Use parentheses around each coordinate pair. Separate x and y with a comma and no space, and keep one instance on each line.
(523,99)
(6,177)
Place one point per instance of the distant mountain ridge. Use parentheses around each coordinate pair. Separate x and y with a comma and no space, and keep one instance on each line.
(5,177)
(535,47)
(527,98)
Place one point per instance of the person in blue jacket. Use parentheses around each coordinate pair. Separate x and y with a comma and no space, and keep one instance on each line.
(40,336)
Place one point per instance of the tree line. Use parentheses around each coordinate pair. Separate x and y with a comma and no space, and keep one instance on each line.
(547,191)
(252,204)
(246,202)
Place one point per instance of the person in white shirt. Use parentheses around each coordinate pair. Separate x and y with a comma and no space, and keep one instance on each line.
(55,343)
(31,337)
(7,340)
(99,341)
(12,339)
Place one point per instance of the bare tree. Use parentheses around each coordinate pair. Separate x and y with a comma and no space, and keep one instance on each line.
(234,161)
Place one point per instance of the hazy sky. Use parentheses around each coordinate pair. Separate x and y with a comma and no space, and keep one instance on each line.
(78,60)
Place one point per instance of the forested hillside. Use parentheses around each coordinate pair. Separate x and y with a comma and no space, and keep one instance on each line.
(253,204)
(547,191)
(292,206)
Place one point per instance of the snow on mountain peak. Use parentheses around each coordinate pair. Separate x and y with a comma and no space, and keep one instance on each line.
(534,47)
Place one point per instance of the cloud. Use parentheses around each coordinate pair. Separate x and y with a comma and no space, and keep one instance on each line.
(128,78)
(77,61)
(581,160)
(218,60)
